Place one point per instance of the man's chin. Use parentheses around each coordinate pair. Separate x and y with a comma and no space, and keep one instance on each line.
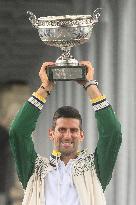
(68,149)
(68,152)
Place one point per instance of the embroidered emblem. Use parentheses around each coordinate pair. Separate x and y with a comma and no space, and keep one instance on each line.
(83,165)
(42,166)
(53,159)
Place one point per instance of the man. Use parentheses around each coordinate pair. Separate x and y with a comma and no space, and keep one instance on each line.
(70,176)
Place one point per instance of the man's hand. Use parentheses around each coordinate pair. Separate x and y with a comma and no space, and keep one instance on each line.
(48,85)
(90,71)
(92,91)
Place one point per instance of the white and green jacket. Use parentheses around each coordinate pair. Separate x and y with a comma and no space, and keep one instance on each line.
(91,173)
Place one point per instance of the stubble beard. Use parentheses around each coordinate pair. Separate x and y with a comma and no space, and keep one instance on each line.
(68,153)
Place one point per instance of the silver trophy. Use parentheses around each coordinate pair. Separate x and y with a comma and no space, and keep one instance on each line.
(65,32)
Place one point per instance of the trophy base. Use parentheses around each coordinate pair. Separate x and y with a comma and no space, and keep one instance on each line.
(66,73)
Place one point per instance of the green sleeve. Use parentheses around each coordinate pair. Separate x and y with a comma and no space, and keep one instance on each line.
(108,145)
(21,141)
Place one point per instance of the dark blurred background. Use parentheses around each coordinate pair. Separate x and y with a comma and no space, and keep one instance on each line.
(112,51)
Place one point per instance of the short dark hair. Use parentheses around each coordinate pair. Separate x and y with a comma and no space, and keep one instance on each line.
(66,112)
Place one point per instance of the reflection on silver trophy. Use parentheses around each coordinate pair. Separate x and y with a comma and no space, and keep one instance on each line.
(65,32)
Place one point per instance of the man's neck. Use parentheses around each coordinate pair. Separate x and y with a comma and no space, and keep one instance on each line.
(66,158)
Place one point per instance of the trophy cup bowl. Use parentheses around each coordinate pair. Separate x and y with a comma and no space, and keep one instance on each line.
(65,32)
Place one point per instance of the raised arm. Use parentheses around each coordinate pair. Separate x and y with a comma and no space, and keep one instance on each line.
(23,126)
(109,128)
(109,142)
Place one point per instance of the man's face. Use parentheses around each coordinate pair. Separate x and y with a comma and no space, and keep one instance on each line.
(67,135)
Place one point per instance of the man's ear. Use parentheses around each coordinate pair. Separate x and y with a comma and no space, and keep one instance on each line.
(51,134)
(82,135)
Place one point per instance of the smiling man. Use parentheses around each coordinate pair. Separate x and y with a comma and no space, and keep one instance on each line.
(67,132)
(69,176)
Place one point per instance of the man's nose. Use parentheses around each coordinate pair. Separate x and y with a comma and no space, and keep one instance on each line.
(68,133)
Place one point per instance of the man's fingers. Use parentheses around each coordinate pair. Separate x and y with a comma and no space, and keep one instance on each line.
(87,63)
(90,69)
(42,72)
(44,65)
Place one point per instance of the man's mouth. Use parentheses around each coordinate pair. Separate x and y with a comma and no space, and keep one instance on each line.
(66,144)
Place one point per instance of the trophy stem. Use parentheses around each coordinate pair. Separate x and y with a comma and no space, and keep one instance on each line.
(66,52)
(66,59)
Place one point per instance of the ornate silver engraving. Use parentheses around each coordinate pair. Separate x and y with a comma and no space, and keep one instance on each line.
(65,32)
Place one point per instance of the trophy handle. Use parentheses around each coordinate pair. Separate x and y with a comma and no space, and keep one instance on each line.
(96,15)
(33,19)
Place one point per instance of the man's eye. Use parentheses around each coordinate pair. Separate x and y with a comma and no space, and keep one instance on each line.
(62,130)
(74,130)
